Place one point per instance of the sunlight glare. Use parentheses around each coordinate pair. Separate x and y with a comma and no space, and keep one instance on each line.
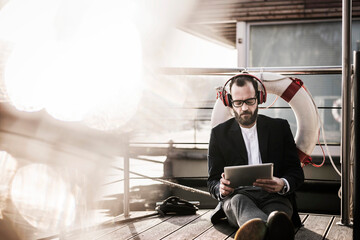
(28,37)
(8,166)
(80,65)
(42,197)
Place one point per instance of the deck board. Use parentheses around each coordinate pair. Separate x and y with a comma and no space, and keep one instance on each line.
(303,217)
(98,231)
(218,231)
(128,230)
(199,227)
(339,232)
(315,226)
(166,227)
(192,229)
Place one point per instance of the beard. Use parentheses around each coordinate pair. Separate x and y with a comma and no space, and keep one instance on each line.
(246,118)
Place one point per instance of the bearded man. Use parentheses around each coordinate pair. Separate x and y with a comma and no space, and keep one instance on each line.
(266,210)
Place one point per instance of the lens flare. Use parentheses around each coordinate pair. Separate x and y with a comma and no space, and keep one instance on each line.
(8,166)
(42,197)
(78,60)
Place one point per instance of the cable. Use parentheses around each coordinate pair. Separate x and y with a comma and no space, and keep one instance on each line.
(323,134)
(271,103)
(323,161)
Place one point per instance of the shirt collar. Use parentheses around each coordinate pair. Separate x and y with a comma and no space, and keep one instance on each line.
(248,129)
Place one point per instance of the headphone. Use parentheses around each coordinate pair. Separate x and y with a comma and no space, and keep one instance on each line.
(260,95)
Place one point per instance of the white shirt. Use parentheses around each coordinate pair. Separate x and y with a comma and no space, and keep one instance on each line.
(250,137)
(251,140)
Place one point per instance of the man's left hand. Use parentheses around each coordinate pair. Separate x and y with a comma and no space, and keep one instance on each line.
(273,185)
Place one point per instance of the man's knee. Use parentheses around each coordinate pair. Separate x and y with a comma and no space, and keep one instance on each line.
(233,202)
(238,199)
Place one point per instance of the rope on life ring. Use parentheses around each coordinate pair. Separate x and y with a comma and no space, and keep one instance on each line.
(293,91)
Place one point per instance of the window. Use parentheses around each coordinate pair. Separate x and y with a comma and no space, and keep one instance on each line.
(304,44)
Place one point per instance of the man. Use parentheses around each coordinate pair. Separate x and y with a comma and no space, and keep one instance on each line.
(263,210)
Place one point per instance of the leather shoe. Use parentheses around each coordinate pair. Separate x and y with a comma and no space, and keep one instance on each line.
(280,227)
(254,229)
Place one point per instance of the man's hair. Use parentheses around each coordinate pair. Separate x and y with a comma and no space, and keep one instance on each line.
(241,80)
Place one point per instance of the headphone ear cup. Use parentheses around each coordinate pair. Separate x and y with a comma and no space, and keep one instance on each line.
(265,96)
(261,97)
(229,100)
(226,99)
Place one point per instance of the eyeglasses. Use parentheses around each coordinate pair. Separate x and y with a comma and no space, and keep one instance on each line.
(239,103)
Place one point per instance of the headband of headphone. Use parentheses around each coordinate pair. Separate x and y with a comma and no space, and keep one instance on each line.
(260,94)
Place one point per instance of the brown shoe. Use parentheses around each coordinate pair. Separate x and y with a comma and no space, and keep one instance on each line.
(254,229)
(280,226)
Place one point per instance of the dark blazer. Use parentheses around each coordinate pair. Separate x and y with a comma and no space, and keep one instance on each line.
(276,143)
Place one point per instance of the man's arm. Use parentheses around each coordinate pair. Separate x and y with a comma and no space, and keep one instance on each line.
(215,167)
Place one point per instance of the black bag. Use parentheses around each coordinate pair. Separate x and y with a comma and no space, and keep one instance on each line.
(176,206)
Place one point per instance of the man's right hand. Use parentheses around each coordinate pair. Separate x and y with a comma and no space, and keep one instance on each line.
(224,186)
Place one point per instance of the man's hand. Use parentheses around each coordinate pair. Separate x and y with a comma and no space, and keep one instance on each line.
(224,188)
(273,185)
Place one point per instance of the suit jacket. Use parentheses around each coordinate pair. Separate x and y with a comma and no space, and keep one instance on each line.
(276,143)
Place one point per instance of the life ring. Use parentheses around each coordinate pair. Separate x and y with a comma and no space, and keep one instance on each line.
(335,112)
(300,101)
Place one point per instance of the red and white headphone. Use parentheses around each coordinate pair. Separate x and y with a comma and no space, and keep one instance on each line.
(260,94)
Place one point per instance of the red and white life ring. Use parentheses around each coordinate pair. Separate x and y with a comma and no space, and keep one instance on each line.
(336,114)
(300,101)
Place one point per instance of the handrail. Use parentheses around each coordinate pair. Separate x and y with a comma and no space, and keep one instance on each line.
(305,70)
(126,178)
(347,111)
(356,210)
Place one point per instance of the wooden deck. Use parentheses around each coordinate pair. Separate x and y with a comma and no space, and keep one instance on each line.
(199,227)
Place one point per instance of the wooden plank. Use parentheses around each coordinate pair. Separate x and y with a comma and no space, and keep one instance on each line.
(303,216)
(128,230)
(236,4)
(339,232)
(225,231)
(193,229)
(208,10)
(219,231)
(314,228)
(95,232)
(165,228)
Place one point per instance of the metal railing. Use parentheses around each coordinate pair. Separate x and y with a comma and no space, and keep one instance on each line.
(317,70)
(346,116)
(345,70)
(356,212)
(305,70)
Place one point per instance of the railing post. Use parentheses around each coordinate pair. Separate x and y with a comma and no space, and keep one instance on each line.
(346,112)
(195,129)
(356,212)
(126,176)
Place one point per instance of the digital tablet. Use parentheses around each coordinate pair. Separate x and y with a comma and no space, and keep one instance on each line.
(246,175)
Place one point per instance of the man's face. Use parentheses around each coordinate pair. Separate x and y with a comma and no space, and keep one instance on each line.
(246,115)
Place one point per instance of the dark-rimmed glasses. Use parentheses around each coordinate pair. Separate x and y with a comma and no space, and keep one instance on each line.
(239,103)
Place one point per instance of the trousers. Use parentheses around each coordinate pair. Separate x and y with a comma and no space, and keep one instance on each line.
(244,205)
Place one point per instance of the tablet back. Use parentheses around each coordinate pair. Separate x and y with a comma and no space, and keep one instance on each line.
(245,175)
